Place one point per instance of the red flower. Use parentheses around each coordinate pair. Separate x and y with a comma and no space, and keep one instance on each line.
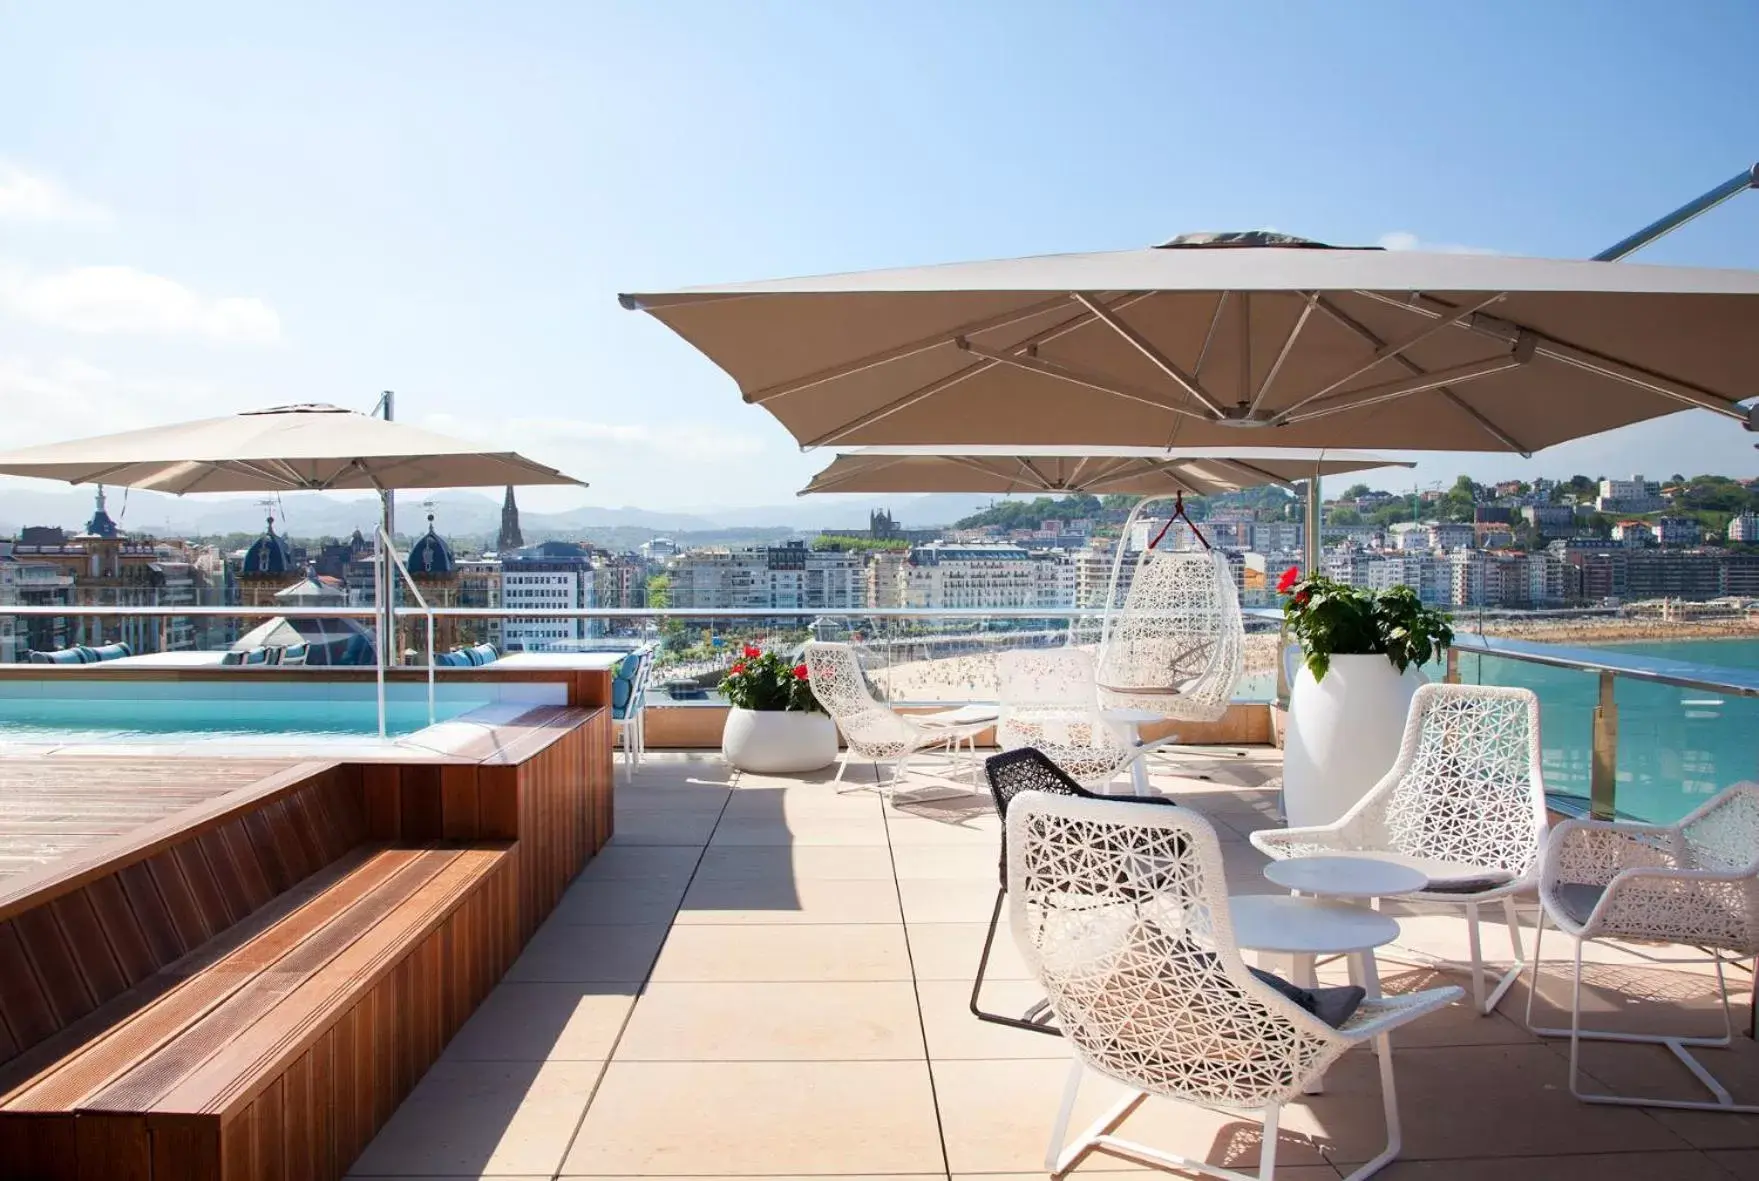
(1301,599)
(1290,577)
(751,653)
(800,672)
(738,667)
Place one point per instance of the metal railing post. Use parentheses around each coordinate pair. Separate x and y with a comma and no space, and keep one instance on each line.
(1603,786)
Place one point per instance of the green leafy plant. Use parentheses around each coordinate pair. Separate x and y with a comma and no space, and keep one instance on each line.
(764,681)
(1330,618)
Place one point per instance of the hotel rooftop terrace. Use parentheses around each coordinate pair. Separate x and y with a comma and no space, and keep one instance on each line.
(761,977)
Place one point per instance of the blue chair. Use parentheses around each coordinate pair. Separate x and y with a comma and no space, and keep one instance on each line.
(629,705)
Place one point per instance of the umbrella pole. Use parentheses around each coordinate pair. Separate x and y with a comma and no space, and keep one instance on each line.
(379,620)
(1310,549)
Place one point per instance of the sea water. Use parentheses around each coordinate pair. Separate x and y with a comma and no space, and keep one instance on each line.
(1677,747)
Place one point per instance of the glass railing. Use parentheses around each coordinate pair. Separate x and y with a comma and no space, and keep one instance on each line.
(1624,733)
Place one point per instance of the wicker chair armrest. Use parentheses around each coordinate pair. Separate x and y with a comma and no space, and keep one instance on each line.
(1594,852)
(1693,906)
(1283,843)
(1378,1015)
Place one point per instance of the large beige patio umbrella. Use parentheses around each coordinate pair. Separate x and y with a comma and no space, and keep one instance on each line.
(1230,340)
(313,448)
(310,448)
(1132,471)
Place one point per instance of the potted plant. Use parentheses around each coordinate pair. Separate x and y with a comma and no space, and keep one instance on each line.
(775,724)
(1363,653)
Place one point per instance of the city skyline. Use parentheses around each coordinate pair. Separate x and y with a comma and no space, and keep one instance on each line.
(269,225)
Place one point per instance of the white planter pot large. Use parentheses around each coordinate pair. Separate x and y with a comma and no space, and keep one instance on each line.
(1343,734)
(778,742)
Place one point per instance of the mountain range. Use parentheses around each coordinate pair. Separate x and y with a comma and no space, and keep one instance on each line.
(456,513)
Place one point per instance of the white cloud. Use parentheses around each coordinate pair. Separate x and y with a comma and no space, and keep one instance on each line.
(26,196)
(1405,240)
(48,401)
(119,299)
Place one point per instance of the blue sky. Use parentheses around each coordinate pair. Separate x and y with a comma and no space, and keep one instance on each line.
(206,208)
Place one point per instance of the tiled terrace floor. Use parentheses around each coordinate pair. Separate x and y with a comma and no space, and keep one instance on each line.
(763,978)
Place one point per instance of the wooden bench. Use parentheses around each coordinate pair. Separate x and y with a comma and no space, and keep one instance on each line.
(278,1048)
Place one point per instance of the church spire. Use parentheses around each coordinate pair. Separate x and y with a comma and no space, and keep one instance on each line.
(510,537)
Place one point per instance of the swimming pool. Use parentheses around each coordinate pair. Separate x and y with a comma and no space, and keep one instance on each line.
(44,712)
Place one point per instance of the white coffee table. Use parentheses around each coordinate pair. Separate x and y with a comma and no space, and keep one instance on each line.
(1343,876)
(1131,722)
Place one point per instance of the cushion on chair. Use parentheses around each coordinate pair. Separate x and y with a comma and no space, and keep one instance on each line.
(256,656)
(294,653)
(1334,1005)
(1577,900)
(1445,877)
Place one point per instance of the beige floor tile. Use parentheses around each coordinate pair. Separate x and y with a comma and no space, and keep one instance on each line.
(1095,1169)
(1457,1025)
(680,768)
(912,830)
(665,828)
(759,1118)
(868,863)
(611,901)
(778,900)
(816,802)
(684,797)
(953,1032)
(1633,1166)
(774,1022)
(474,1118)
(927,900)
(611,954)
(1740,1163)
(1460,1102)
(959,863)
(949,951)
(623,861)
(561,1022)
(1653,1071)
(801,952)
(870,831)
(996,1117)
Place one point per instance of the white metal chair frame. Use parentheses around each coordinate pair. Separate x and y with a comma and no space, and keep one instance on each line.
(1048,701)
(1694,883)
(872,729)
(1121,913)
(1465,790)
(1176,643)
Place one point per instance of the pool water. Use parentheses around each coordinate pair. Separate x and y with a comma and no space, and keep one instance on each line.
(170,716)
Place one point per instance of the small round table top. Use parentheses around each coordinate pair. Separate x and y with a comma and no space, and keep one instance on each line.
(1132,717)
(1345,877)
(1307,926)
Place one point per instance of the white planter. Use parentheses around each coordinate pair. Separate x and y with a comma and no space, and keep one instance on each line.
(778,742)
(1343,734)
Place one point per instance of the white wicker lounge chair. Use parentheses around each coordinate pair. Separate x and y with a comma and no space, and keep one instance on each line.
(873,730)
(1463,804)
(1122,915)
(1049,701)
(1694,883)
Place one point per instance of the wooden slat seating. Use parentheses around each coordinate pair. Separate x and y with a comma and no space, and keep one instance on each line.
(279,1047)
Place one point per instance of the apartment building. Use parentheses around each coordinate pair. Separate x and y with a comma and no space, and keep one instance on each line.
(956,575)
(756,578)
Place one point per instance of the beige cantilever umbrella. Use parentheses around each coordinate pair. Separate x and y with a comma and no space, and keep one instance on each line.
(313,448)
(286,449)
(1132,471)
(1229,340)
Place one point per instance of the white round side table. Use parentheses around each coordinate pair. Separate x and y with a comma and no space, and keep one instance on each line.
(1343,876)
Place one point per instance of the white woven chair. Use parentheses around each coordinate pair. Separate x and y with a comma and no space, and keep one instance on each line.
(1049,701)
(1463,804)
(1121,913)
(1694,883)
(873,730)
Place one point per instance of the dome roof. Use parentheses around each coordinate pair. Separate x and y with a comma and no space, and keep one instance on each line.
(268,556)
(430,556)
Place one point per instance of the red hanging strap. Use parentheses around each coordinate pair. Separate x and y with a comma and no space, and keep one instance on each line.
(1178,514)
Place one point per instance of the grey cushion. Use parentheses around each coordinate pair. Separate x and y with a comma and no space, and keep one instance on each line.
(1334,1005)
(1445,877)
(1578,900)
